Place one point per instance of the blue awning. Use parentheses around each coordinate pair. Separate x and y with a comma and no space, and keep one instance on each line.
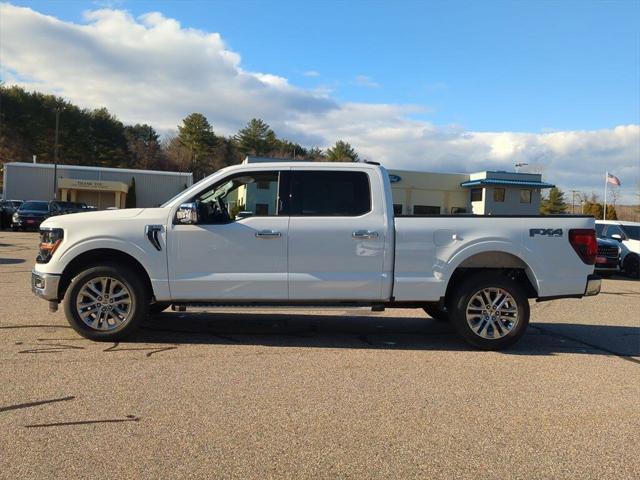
(512,183)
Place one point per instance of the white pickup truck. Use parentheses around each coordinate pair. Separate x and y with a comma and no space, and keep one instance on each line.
(309,234)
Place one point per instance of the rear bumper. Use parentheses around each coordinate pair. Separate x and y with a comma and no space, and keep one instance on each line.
(45,285)
(594,283)
(592,287)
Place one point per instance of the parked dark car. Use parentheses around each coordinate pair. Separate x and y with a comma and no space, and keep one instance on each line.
(7,209)
(64,208)
(30,215)
(608,258)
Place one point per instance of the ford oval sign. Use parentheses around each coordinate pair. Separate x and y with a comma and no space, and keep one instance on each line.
(394,178)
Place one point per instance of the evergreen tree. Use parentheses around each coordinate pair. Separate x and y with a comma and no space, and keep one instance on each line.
(315,154)
(341,152)
(196,135)
(256,138)
(143,146)
(107,140)
(554,204)
(130,200)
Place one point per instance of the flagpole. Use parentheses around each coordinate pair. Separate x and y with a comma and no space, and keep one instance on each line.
(606,178)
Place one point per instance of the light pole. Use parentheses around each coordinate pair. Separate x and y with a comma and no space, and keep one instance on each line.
(55,156)
(518,165)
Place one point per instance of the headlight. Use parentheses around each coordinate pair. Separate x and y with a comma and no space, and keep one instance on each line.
(50,240)
(14,217)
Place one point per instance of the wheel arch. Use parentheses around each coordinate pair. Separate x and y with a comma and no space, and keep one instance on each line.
(100,256)
(508,263)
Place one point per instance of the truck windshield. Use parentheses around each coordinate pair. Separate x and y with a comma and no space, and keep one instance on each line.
(44,206)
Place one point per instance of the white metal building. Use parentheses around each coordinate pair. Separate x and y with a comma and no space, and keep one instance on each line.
(97,186)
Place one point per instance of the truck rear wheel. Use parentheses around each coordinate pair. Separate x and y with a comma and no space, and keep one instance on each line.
(489,310)
(106,302)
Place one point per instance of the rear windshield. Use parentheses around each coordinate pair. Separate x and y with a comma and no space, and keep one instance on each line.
(44,206)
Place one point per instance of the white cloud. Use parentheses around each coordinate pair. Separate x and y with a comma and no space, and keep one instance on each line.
(365,81)
(152,69)
(311,73)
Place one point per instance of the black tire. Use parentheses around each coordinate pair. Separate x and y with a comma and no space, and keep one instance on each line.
(436,312)
(462,297)
(158,307)
(632,266)
(139,302)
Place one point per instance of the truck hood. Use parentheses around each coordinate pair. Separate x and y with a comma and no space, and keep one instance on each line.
(104,216)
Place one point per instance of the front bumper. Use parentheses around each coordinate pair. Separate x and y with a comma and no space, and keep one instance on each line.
(45,285)
(594,283)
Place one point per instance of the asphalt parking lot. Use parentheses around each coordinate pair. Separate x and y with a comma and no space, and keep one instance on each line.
(314,393)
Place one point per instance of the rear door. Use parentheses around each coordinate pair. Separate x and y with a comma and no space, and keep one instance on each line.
(336,235)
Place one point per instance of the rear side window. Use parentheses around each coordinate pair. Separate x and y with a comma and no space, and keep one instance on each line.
(330,194)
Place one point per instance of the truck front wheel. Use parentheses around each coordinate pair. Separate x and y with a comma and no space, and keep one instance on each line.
(489,310)
(106,302)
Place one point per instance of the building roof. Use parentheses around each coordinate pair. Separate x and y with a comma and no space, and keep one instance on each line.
(510,183)
(104,169)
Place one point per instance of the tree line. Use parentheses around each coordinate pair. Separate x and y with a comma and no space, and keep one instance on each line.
(556,204)
(99,138)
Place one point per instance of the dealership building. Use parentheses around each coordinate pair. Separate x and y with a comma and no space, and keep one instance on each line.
(96,186)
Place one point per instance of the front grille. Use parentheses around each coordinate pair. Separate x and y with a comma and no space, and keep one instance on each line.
(611,252)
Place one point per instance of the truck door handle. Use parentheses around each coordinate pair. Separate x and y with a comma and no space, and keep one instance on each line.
(364,234)
(268,234)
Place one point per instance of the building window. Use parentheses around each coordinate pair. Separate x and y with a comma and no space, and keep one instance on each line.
(457,210)
(425,210)
(476,194)
(525,196)
(262,209)
(498,195)
(397,209)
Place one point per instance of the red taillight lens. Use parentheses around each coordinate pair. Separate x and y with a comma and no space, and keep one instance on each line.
(583,241)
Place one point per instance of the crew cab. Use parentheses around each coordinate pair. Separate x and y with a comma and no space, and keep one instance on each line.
(302,233)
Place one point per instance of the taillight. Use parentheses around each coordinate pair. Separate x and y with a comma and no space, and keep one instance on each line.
(50,240)
(583,241)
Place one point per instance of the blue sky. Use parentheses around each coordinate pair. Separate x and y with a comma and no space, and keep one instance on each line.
(531,66)
(430,86)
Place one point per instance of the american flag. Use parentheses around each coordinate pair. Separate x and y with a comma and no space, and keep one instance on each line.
(612,179)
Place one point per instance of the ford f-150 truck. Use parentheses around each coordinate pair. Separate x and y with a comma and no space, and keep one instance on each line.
(301,233)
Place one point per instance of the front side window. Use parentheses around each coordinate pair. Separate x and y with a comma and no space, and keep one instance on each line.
(329,194)
(498,195)
(476,194)
(525,196)
(614,230)
(397,209)
(239,196)
(632,231)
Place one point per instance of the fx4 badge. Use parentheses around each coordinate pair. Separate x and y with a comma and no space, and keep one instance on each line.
(547,232)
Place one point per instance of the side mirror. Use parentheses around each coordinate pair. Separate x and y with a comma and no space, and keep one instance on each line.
(187,214)
(617,236)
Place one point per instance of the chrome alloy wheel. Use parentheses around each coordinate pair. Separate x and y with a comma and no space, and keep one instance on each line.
(492,313)
(104,303)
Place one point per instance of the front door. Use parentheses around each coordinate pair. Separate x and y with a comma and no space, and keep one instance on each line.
(238,248)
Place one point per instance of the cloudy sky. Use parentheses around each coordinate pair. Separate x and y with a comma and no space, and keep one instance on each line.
(439,86)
